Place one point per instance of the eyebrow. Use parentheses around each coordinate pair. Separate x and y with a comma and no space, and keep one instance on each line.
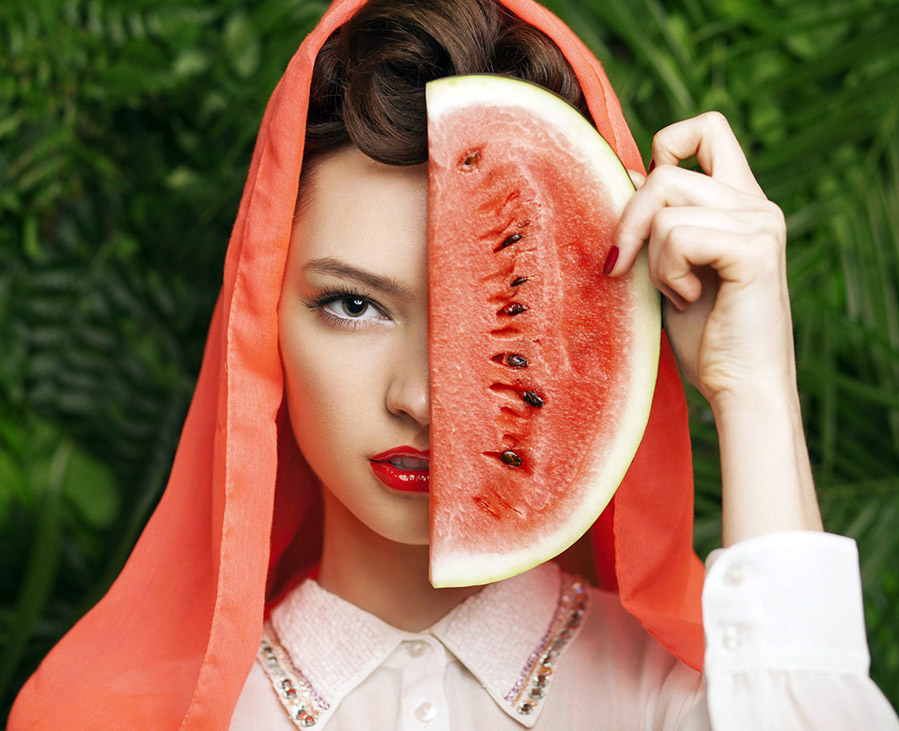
(336,268)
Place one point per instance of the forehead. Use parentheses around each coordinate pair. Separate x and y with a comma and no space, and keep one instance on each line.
(362,210)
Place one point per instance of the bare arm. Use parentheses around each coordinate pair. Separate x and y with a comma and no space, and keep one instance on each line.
(717,251)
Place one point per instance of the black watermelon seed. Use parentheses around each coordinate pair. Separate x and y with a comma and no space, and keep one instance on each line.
(509,241)
(533,399)
(511,458)
(515,308)
(516,361)
(472,159)
(519,280)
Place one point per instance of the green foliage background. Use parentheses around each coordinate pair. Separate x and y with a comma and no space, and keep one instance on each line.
(126,130)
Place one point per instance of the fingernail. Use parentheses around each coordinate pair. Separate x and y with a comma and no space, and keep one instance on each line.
(652,164)
(611,258)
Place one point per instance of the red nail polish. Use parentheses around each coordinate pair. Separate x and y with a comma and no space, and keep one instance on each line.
(611,258)
(652,164)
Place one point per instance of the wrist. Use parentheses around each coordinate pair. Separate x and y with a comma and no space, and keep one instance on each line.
(755,399)
(766,475)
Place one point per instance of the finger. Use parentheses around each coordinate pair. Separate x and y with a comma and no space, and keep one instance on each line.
(670,186)
(637,178)
(738,221)
(688,286)
(710,138)
(670,272)
(657,255)
(736,257)
(674,299)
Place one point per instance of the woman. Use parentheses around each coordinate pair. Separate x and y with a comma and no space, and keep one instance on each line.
(315,368)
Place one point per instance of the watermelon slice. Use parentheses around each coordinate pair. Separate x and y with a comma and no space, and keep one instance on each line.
(542,369)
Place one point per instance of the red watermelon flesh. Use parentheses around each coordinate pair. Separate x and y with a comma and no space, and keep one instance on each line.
(542,369)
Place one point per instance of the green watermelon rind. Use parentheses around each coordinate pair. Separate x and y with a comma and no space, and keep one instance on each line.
(447,94)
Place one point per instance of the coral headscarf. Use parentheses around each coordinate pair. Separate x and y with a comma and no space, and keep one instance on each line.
(172,642)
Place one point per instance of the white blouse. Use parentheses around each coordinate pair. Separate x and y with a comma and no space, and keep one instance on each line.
(785,649)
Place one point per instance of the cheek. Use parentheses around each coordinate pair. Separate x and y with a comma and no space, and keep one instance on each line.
(334,395)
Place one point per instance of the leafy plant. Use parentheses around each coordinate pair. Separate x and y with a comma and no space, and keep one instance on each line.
(126,130)
(810,91)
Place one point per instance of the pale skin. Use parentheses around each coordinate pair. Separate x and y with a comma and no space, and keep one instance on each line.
(356,366)
(717,251)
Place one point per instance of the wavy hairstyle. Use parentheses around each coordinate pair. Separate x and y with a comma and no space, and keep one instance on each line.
(368,82)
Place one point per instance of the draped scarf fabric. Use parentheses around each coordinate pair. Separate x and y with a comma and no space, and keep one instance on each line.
(172,642)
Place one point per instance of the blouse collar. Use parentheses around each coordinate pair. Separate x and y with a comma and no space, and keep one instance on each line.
(317,647)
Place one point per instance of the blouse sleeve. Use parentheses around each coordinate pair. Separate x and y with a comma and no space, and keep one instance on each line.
(785,636)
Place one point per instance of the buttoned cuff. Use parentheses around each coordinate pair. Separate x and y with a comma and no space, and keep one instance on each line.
(789,600)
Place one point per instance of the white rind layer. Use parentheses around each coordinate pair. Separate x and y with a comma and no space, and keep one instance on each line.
(448,94)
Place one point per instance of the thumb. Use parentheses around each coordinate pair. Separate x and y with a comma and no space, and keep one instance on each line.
(636,178)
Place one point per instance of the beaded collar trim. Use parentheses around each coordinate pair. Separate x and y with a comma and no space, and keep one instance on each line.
(532,685)
(306,707)
(303,704)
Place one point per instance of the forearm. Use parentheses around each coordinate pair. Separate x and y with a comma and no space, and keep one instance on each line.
(766,476)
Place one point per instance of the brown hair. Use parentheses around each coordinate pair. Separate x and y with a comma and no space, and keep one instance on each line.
(368,82)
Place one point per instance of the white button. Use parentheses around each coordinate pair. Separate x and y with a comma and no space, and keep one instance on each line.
(416,648)
(732,638)
(426,712)
(734,574)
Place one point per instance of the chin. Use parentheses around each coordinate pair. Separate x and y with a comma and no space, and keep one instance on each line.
(396,517)
(402,521)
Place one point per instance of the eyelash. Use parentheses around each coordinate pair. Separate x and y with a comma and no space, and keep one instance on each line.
(325,297)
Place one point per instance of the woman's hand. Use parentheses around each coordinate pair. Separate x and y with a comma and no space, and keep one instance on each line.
(717,252)
(716,248)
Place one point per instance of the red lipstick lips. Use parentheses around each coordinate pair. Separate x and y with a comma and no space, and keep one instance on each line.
(403,468)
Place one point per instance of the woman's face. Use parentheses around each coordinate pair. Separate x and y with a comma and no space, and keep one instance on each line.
(353,337)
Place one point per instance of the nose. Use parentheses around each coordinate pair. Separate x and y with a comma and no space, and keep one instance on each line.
(408,393)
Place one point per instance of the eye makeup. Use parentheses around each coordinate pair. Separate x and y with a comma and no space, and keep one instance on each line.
(346,300)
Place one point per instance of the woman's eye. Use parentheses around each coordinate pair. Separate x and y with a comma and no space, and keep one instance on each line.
(348,309)
(352,307)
